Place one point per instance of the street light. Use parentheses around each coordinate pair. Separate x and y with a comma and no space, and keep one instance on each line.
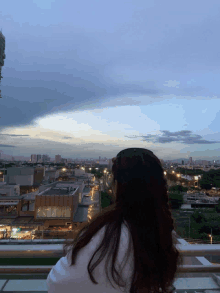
(211,235)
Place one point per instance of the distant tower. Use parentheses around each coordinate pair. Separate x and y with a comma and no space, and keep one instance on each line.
(190,160)
(182,162)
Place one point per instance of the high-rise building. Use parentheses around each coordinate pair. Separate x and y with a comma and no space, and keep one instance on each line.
(2,54)
(182,162)
(190,160)
(38,158)
(33,158)
(45,158)
(58,159)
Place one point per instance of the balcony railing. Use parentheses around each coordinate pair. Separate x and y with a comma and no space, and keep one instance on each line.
(56,251)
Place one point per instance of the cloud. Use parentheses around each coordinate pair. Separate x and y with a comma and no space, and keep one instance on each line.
(184,136)
(7,146)
(66,137)
(172,83)
(14,134)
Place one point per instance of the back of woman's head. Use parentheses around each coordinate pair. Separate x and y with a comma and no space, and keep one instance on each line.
(141,202)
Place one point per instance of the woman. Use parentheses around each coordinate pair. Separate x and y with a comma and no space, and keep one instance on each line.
(137,227)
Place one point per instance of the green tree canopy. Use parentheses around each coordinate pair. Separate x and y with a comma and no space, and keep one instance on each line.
(178,188)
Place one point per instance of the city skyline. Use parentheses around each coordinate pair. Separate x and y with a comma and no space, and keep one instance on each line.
(82,83)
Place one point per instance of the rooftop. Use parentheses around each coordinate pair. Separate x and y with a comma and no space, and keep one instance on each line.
(59,191)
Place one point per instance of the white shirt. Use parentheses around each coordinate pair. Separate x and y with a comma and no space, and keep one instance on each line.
(64,278)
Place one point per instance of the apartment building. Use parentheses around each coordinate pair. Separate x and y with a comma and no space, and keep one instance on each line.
(58,159)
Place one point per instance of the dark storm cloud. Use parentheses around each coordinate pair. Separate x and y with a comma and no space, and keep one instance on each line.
(7,146)
(71,62)
(26,103)
(184,136)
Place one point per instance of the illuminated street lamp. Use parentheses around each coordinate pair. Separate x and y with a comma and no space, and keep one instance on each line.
(211,235)
(173,171)
(196,179)
(165,173)
(64,169)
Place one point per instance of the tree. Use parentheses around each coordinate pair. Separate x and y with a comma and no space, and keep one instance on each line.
(176,200)
(199,217)
(204,236)
(217,207)
(178,188)
(106,199)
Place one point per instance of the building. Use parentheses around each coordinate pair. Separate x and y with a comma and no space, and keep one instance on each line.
(38,158)
(45,158)
(79,172)
(9,200)
(34,158)
(20,175)
(190,160)
(2,54)
(57,205)
(58,159)
(39,175)
(25,176)
(51,175)
(103,162)
(9,190)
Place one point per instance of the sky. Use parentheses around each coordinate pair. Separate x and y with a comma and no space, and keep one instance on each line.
(86,78)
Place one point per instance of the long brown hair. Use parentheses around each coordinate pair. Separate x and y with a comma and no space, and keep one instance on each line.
(141,201)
